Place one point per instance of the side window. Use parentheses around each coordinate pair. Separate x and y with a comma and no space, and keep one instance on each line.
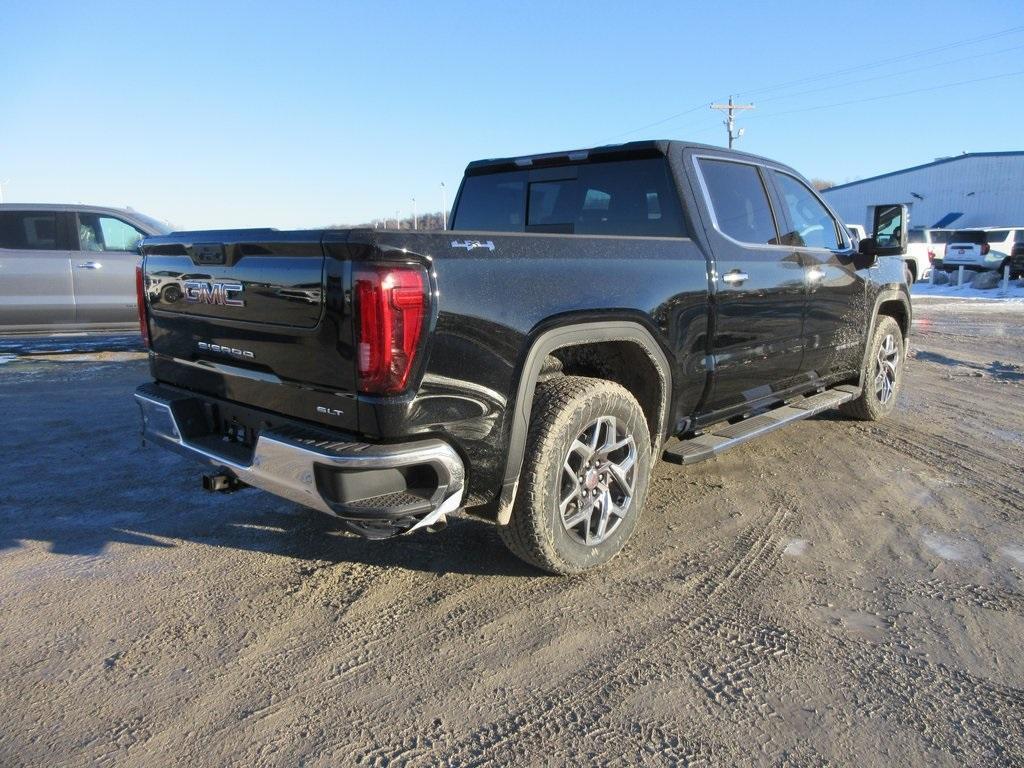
(28,230)
(105,233)
(739,202)
(813,225)
(915,236)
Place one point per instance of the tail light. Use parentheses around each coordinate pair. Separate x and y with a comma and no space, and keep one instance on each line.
(140,299)
(931,256)
(985,248)
(391,305)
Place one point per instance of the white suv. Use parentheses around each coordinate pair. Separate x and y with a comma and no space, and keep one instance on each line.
(980,249)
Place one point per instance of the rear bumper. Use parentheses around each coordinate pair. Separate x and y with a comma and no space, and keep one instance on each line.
(380,489)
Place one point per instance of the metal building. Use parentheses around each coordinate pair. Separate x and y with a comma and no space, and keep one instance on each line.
(978,189)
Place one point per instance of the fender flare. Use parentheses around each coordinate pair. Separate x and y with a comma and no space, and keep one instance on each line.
(543,345)
(891,294)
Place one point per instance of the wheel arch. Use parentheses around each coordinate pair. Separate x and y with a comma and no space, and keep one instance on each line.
(890,303)
(578,335)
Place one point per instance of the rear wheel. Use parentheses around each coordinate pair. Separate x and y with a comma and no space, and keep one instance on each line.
(585,476)
(883,374)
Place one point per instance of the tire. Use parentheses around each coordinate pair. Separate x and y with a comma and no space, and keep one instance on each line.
(571,415)
(911,268)
(883,374)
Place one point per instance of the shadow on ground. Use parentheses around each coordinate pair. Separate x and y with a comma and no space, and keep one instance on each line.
(74,477)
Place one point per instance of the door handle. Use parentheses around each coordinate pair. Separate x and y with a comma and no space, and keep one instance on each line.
(735,277)
(90,265)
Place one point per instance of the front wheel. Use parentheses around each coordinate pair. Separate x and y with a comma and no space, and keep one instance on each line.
(585,476)
(883,373)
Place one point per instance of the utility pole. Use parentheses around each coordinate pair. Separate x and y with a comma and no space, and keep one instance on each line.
(730,120)
(444,208)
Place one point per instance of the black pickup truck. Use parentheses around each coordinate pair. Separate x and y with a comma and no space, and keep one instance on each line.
(586,313)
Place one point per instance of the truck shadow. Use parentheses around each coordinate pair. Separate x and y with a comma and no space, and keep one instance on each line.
(997,369)
(87,525)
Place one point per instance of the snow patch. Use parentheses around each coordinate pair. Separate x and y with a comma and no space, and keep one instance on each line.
(980,288)
(1014,552)
(795,548)
(949,548)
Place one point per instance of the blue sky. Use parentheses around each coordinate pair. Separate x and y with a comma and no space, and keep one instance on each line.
(303,114)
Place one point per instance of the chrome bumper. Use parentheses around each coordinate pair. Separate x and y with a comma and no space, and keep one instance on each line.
(284,463)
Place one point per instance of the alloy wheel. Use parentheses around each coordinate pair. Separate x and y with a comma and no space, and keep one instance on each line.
(886,369)
(597,481)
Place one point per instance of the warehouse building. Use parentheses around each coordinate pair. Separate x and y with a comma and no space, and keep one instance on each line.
(977,189)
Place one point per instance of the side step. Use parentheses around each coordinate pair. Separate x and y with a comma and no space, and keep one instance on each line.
(723,436)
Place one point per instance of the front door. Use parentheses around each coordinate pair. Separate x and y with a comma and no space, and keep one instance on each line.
(104,270)
(834,322)
(758,293)
(35,273)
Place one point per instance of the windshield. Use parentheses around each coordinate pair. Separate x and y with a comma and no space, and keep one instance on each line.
(159,227)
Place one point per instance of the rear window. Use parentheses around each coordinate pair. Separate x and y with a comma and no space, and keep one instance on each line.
(631,197)
(965,236)
(28,230)
(939,236)
(980,237)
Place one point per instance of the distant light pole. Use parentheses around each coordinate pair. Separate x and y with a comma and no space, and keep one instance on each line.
(398,222)
(415,224)
(444,208)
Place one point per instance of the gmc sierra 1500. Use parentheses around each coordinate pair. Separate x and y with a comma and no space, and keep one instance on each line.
(586,313)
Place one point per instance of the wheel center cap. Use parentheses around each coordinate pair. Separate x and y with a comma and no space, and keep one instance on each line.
(591,479)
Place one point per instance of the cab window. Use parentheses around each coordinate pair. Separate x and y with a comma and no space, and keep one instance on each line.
(739,202)
(813,226)
(28,230)
(97,232)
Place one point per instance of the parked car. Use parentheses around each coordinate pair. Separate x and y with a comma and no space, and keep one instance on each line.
(985,248)
(924,246)
(69,267)
(531,364)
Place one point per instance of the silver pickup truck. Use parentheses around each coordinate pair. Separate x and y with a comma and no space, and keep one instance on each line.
(69,267)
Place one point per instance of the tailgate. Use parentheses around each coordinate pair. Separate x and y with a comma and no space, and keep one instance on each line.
(963,253)
(253,316)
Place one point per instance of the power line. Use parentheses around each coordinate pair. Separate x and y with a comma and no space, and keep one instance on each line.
(882,62)
(703,105)
(889,95)
(945,62)
(836,73)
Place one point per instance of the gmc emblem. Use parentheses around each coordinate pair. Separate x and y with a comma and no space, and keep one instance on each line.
(201,292)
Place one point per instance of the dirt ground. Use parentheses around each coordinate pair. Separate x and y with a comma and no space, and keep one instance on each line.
(833,594)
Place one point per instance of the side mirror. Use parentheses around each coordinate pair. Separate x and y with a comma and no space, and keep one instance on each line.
(867,252)
(889,237)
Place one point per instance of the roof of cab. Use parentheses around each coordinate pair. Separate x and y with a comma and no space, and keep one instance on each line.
(632,149)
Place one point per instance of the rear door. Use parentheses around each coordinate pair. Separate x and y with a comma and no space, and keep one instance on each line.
(834,321)
(758,292)
(103,269)
(35,274)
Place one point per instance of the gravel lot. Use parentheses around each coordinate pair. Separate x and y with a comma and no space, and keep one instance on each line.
(836,593)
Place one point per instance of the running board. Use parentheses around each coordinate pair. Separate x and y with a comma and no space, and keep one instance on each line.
(723,436)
